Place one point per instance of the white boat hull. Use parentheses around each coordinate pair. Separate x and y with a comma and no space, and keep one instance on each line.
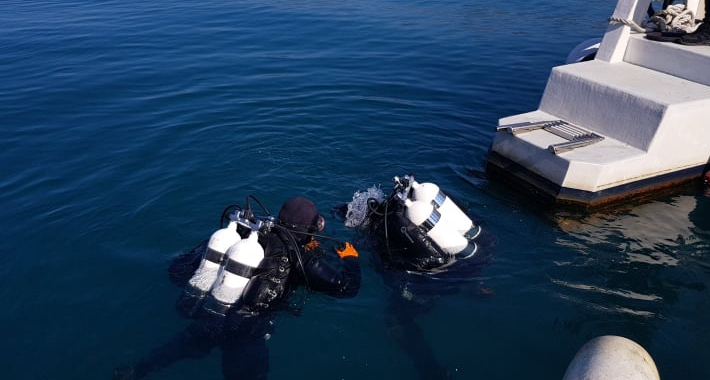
(648,115)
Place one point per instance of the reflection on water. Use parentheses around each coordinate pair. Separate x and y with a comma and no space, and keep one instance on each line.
(638,263)
(128,125)
(650,233)
(620,293)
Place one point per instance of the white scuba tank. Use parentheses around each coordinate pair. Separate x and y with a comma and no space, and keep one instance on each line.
(425,215)
(206,274)
(242,258)
(430,192)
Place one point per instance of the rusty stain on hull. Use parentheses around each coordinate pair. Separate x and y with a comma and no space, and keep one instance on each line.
(502,168)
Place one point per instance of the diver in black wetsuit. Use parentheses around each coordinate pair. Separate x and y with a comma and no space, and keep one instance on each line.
(292,257)
(417,270)
(418,228)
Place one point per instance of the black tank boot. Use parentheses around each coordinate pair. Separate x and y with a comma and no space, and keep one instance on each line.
(700,36)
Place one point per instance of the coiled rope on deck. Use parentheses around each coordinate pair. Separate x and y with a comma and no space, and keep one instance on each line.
(675,18)
(630,23)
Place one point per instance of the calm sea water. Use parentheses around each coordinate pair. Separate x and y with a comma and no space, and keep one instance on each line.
(127,126)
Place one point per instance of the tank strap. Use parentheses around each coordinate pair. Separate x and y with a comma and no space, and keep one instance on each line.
(239,269)
(214,256)
(438,199)
(431,221)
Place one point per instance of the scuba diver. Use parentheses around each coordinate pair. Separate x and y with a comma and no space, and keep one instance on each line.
(426,248)
(417,227)
(234,282)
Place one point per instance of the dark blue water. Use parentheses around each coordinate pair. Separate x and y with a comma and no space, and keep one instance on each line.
(127,126)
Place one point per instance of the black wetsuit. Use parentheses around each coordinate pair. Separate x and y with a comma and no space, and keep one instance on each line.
(401,244)
(242,334)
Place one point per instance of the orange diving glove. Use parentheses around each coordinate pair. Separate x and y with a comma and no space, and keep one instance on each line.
(346,250)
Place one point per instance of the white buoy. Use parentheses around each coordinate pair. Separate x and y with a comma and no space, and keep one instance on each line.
(611,357)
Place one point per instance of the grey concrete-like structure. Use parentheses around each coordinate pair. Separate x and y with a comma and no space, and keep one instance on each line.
(630,122)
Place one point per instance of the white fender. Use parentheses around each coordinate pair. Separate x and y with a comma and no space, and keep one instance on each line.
(423,214)
(612,357)
(430,192)
(586,50)
(214,255)
(230,284)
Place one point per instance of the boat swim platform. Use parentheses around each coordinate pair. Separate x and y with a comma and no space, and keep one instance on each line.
(628,124)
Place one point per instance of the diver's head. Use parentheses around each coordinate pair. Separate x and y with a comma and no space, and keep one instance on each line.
(299,214)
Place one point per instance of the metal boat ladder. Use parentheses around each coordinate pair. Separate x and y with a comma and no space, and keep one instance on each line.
(576,137)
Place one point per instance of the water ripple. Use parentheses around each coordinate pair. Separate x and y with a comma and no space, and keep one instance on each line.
(129,125)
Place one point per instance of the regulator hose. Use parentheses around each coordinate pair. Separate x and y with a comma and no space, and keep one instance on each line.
(225,212)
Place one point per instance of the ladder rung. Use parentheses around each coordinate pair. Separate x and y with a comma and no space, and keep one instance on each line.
(576,137)
(573,144)
(568,131)
(526,126)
